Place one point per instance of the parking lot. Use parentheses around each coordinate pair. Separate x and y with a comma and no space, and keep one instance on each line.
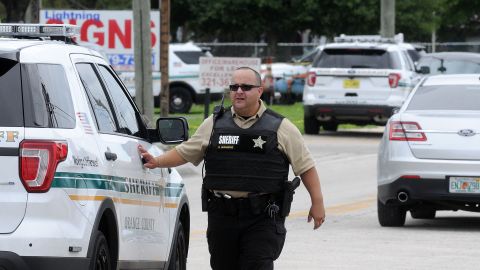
(351,237)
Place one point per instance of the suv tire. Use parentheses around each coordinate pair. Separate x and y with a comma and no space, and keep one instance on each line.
(332,126)
(311,125)
(101,259)
(178,261)
(390,216)
(180,100)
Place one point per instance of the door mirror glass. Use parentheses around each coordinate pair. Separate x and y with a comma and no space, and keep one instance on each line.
(424,70)
(172,130)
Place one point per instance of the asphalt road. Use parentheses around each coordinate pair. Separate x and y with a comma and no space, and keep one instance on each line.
(351,237)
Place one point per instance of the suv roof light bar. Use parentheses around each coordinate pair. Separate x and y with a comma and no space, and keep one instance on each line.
(398,38)
(39,30)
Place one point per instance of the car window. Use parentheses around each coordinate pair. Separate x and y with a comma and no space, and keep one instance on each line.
(309,56)
(357,58)
(97,97)
(414,55)
(47,97)
(451,97)
(126,115)
(189,57)
(11,112)
(408,61)
(439,66)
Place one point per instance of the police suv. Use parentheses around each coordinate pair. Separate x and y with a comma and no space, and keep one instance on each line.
(184,79)
(357,80)
(74,193)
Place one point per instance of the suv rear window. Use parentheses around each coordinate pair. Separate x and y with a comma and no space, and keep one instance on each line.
(47,98)
(11,110)
(414,55)
(189,57)
(357,58)
(451,97)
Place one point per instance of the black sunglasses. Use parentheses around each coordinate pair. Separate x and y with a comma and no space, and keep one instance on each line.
(244,87)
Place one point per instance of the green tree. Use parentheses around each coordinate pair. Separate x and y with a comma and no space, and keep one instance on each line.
(461,19)
(88,4)
(417,19)
(277,21)
(15,10)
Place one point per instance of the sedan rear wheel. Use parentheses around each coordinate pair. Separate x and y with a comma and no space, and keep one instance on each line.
(390,215)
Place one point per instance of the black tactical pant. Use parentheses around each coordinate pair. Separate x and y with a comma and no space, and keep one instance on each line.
(241,238)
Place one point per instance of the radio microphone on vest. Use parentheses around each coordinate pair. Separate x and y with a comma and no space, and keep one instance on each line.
(219,109)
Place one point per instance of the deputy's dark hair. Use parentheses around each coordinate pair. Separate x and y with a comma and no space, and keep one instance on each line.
(257,75)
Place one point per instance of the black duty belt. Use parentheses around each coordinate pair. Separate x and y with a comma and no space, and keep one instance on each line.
(254,204)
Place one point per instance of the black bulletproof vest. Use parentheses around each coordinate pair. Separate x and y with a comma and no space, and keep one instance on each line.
(246,159)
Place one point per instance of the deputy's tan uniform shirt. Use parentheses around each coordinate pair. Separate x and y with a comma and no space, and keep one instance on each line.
(290,142)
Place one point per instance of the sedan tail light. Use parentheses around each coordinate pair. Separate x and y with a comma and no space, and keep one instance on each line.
(311,78)
(393,79)
(38,163)
(406,131)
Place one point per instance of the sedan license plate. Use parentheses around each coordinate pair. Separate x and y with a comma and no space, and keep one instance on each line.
(351,83)
(464,184)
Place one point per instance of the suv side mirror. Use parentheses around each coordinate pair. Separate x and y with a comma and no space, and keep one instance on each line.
(424,70)
(171,130)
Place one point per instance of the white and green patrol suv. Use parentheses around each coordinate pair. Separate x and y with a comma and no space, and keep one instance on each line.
(74,193)
(357,80)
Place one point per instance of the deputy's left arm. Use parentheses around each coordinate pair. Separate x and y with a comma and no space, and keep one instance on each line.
(312,183)
(292,144)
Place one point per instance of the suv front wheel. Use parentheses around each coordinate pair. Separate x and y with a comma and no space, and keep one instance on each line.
(101,259)
(178,261)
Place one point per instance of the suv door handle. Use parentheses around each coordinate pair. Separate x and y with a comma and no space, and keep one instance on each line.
(110,156)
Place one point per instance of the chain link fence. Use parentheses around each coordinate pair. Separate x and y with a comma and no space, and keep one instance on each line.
(452,47)
(285,52)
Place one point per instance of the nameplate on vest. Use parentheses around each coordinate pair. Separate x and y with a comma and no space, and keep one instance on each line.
(241,143)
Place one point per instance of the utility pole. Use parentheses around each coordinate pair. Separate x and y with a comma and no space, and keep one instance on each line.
(143,58)
(387,18)
(434,33)
(164,41)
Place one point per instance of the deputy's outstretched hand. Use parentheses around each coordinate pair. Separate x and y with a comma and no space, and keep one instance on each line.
(317,213)
(150,161)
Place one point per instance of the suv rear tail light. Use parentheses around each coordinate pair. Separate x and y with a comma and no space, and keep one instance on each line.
(393,79)
(311,78)
(38,163)
(406,131)
(411,177)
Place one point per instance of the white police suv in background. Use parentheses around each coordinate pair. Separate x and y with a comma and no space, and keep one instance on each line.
(184,79)
(357,80)
(73,190)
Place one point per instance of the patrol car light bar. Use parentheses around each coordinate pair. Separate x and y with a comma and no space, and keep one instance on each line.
(39,30)
(398,38)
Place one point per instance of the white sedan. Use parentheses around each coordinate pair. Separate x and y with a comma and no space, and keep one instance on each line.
(429,156)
